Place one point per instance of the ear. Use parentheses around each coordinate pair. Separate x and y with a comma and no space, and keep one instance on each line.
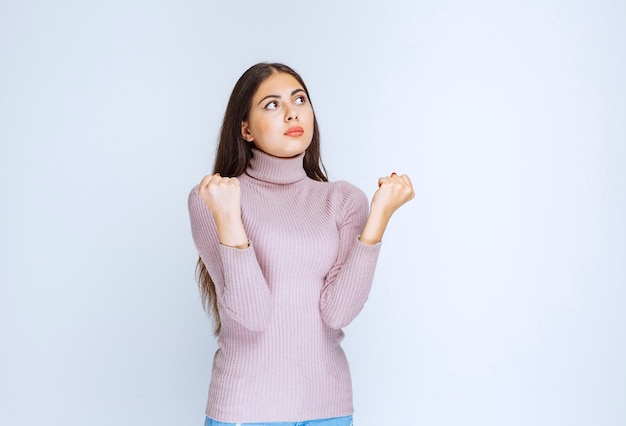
(245,132)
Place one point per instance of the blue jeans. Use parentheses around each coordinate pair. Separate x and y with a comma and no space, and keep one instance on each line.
(336,421)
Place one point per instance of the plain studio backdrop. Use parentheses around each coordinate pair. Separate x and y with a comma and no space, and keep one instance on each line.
(499,297)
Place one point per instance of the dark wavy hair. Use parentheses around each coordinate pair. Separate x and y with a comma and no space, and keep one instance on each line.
(234,153)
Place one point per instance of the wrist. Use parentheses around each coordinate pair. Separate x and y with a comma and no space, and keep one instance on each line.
(231,232)
(374,228)
(380,213)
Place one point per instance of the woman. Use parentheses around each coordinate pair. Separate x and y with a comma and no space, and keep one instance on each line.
(286,258)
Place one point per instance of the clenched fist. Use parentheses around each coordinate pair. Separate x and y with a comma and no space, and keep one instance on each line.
(221,195)
(223,198)
(393,191)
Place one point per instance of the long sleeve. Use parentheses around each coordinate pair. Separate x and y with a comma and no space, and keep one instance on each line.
(349,281)
(241,288)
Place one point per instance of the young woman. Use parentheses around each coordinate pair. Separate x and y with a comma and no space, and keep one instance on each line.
(286,258)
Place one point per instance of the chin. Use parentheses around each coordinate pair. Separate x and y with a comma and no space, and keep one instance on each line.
(290,153)
(289,150)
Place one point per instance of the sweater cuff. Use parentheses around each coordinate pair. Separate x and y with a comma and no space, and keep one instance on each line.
(246,295)
(373,249)
(237,262)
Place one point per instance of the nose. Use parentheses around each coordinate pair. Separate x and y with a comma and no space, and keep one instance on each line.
(292,114)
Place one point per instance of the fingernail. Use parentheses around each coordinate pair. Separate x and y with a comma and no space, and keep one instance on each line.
(393,173)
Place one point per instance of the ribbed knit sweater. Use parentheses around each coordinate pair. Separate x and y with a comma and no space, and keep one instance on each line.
(284,300)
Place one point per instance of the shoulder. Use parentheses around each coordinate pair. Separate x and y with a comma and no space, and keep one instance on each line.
(348,199)
(194,200)
(348,192)
(194,190)
(194,193)
(339,190)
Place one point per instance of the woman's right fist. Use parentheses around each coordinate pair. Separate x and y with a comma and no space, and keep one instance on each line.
(221,195)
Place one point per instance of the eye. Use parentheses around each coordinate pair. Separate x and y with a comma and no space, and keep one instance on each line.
(271,105)
(300,100)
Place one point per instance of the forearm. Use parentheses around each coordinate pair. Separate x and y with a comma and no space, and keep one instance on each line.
(231,232)
(347,288)
(374,227)
(244,293)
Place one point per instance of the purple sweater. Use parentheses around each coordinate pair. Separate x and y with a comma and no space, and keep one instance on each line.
(284,299)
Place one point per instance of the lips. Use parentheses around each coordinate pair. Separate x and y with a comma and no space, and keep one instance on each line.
(294,131)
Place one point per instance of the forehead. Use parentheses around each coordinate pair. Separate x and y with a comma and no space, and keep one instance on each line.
(277,84)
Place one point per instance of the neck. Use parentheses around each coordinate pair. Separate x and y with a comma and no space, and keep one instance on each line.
(272,169)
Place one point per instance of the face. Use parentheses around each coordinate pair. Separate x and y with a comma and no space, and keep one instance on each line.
(281,118)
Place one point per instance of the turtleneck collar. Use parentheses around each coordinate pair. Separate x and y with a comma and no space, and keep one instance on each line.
(272,169)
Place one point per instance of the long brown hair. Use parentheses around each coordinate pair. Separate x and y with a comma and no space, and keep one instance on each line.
(234,153)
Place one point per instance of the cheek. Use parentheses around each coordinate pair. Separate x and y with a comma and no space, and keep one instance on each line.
(268,130)
(310,114)
(259,126)
(310,119)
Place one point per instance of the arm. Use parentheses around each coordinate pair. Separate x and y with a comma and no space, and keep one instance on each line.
(348,283)
(222,244)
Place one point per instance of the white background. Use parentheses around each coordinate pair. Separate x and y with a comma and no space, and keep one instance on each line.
(499,297)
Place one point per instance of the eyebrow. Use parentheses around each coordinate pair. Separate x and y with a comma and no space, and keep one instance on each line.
(293,92)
